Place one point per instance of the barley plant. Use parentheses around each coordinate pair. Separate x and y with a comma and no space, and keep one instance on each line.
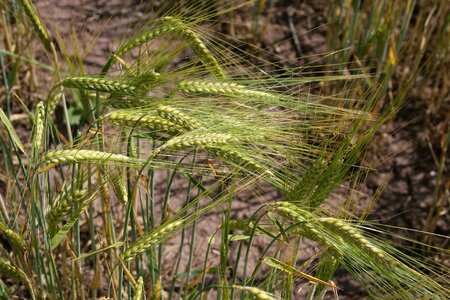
(139,201)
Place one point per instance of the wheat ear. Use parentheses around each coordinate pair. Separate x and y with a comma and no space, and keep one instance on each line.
(136,41)
(201,140)
(156,236)
(139,289)
(143,38)
(38,132)
(15,240)
(223,88)
(64,205)
(52,101)
(143,121)
(183,31)
(178,117)
(119,188)
(67,156)
(107,85)
(231,156)
(255,292)
(343,228)
(7,269)
(302,219)
(36,22)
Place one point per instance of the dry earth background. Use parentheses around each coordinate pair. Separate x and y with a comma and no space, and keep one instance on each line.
(403,154)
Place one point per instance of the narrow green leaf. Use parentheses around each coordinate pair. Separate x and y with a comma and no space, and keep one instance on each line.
(11,131)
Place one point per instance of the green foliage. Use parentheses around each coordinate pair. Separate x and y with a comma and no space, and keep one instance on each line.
(207,131)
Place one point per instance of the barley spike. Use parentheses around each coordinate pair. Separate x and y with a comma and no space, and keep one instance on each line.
(143,38)
(223,88)
(15,240)
(38,132)
(63,205)
(255,292)
(138,289)
(156,236)
(143,121)
(343,228)
(52,101)
(36,22)
(120,189)
(11,271)
(183,31)
(107,85)
(67,156)
(197,140)
(178,117)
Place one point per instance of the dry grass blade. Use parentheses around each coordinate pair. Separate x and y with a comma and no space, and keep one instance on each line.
(10,128)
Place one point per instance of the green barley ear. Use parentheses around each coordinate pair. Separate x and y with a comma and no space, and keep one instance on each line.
(119,188)
(154,237)
(184,32)
(350,233)
(11,271)
(143,120)
(142,38)
(53,100)
(15,240)
(139,289)
(224,88)
(255,292)
(36,22)
(69,210)
(107,85)
(370,264)
(98,157)
(16,274)
(199,139)
(38,130)
(176,116)
(63,205)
